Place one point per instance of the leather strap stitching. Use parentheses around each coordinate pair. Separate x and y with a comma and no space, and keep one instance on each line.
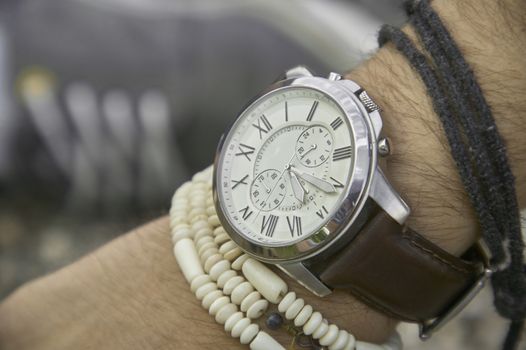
(380,307)
(434,256)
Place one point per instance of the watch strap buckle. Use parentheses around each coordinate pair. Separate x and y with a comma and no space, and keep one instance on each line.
(429,327)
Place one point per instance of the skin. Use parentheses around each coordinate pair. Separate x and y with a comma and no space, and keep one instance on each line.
(130,293)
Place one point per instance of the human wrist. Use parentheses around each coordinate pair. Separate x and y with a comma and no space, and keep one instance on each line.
(421,167)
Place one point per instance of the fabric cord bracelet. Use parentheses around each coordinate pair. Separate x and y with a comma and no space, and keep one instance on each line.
(238,290)
(477,149)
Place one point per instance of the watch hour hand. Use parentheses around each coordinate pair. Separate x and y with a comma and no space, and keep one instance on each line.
(316,181)
(297,188)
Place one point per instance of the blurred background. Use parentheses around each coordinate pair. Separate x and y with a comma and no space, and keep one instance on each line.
(107,106)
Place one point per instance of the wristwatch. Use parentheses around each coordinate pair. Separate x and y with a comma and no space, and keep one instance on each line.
(298,183)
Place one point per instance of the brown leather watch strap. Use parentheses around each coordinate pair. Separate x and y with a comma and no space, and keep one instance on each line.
(399,272)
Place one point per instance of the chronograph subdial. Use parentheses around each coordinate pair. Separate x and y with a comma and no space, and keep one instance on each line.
(314,146)
(268,190)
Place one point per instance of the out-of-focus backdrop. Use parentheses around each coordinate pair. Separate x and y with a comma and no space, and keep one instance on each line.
(106,106)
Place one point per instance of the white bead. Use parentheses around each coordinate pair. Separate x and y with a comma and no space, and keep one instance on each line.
(219,230)
(249,333)
(196,226)
(294,309)
(187,259)
(238,263)
(232,283)
(249,300)
(270,285)
(341,340)
(180,227)
(210,209)
(202,291)
(263,341)
(210,298)
(232,320)
(218,269)
(222,238)
(218,304)
(227,246)
(181,233)
(367,346)
(351,343)
(198,281)
(199,242)
(321,330)
(225,312)
(313,323)
(257,309)
(205,247)
(303,316)
(197,211)
(197,218)
(204,232)
(240,292)
(214,221)
(212,260)
(239,327)
(225,277)
(330,336)
(208,253)
(233,254)
(286,302)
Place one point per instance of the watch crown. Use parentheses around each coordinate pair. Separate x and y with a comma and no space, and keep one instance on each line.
(334,76)
(384,147)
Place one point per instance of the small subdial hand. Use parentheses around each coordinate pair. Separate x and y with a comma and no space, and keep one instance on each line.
(315,181)
(297,188)
(312,148)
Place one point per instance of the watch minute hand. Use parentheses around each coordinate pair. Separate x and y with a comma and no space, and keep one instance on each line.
(315,181)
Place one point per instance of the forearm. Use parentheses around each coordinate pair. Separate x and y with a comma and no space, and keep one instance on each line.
(130,294)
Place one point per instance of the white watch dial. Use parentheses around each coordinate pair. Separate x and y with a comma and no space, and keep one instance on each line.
(285,166)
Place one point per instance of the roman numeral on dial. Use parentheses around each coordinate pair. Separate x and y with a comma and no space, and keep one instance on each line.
(336,183)
(268,225)
(322,212)
(240,182)
(342,153)
(245,150)
(263,126)
(336,123)
(294,226)
(246,212)
(312,110)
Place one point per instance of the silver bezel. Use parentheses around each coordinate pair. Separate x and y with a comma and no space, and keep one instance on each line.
(365,162)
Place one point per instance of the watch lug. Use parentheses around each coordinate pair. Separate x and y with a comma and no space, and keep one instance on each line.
(303,276)
(298,72)
(387,198)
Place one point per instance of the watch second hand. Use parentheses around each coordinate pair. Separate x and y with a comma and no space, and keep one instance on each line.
(287,166)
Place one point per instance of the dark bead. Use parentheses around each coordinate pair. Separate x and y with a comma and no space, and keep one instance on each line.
(274,321)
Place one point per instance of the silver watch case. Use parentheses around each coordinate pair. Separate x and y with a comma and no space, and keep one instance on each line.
(367,179)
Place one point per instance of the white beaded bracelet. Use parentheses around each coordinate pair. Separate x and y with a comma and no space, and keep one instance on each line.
(236,289)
